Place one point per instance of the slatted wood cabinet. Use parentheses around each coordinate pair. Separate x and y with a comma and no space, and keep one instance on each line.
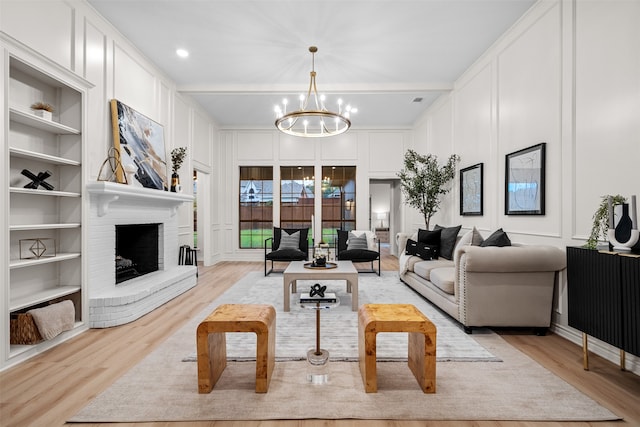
(604,298)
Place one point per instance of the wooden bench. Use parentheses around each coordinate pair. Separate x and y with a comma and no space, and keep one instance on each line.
(375,318)
(212,344)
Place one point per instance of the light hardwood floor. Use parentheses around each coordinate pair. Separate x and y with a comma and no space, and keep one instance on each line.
(50,388)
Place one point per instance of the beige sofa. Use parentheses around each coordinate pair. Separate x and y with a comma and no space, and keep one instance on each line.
(510,286)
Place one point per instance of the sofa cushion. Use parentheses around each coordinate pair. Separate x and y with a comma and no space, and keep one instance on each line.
(498,238)
(448,238)
(424,268)
(443,278)
(421,250)
(431,238)
(358,254)
(287,254)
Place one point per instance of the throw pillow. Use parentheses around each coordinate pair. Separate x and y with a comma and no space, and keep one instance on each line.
(289,241)
(357,242)
(429,237)
(448,240)
(498,238)
(470,238)
(421,250)
(371,243)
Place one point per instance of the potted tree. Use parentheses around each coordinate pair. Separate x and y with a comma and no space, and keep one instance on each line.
(423,181)
(177,157)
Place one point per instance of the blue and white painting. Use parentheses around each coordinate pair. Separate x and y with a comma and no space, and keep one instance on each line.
(140,142)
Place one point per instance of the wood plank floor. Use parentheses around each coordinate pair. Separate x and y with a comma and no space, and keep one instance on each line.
(50,388)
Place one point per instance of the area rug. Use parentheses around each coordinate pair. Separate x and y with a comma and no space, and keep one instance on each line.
(295,330)
(163,388)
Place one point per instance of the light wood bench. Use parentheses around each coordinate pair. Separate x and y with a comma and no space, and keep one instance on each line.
(212,344)
(375,318)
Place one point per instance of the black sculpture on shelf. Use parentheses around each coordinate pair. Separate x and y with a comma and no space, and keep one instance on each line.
(37,181)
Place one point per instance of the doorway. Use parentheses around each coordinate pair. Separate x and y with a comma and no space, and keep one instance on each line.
(201,215)
(385,214)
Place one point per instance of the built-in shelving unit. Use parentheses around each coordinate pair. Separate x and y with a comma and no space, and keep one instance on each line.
(53,214)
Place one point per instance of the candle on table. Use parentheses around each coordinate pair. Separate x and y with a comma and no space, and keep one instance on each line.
(610,210)
(313,236)
(634,213)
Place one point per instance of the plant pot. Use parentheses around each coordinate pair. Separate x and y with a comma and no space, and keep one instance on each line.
(47,115)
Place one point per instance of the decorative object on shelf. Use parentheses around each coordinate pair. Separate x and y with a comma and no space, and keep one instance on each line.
(524,181)
(140,142)
(23,330)
(115,165)
(601,220)
(313,123)
(471,190)
(317,290)
(37,248)
(177,157)
(320,261)
(623,235)
(42,109)
(37,180)
(423,181)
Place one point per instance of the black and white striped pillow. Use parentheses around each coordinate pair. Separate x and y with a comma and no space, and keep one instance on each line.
(357,242)
(289,241)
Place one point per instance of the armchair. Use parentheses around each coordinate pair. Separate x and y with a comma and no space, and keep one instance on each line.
(282,247)
(358,252)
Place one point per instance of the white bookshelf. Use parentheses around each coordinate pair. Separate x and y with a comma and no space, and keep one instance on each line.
(55,147)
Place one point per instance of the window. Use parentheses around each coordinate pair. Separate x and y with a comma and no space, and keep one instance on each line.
(338,200)
(296,197)
(256,206)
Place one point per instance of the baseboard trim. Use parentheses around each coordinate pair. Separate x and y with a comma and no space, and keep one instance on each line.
(602,349)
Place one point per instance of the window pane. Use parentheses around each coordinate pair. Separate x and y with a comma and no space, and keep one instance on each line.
(297,197)
(255,206)
(338,200)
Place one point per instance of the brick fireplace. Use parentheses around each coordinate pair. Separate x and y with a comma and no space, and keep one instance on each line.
(118,206)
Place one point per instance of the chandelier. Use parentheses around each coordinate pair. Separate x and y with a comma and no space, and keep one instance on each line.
(315,122)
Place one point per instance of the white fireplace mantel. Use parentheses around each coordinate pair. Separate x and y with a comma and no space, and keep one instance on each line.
(111,192)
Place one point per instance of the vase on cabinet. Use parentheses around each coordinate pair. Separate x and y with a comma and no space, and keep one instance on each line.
(625,233)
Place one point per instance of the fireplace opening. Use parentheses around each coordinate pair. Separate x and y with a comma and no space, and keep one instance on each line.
(136,250)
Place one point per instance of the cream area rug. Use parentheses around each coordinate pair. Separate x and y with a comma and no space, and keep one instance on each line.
(295,329)
(164,388)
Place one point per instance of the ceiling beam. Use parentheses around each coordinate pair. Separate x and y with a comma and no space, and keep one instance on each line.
(326,88)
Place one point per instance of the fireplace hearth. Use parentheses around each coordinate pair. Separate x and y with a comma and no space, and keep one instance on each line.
(117,205)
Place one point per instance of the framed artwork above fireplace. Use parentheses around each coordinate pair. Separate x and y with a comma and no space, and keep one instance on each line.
(140,142)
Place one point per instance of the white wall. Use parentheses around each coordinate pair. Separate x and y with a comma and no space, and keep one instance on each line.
(78,38)
(568,74)
(375,153)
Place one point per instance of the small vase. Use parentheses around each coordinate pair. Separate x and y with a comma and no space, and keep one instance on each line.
(623,228)
(175,182)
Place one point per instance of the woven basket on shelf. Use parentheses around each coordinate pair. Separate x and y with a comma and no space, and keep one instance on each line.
(23,329)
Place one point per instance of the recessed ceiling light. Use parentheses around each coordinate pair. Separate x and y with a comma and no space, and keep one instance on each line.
(182,53)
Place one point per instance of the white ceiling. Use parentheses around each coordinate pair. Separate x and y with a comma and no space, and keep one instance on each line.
(245,56)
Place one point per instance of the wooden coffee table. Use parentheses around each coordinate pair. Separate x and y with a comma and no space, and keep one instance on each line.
(344,271)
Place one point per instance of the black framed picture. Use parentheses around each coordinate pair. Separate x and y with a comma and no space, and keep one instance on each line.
(471,190)
(524,181)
